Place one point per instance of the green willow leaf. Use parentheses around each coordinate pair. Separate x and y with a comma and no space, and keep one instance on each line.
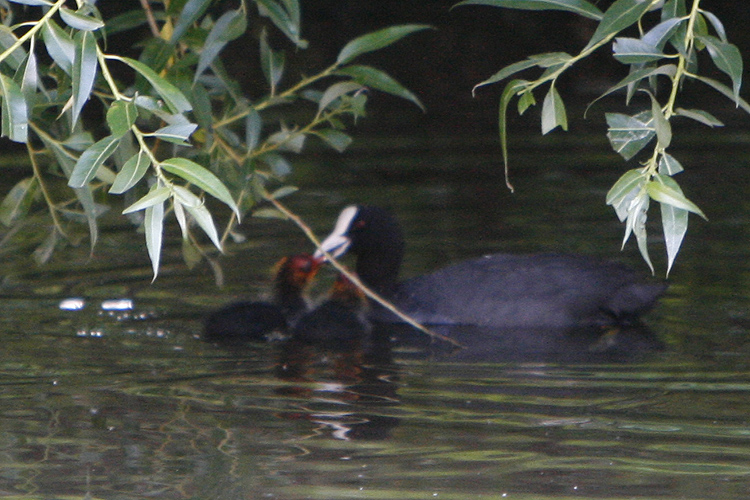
(253,128)
(553,112)
(91,159)
(376,41)
(580,7)
(629,134)
(86,199)
(271,62)
(664,192)
(661,124)
(85,68)
(15,125)
(201,178)
(512,88)
(717,24)
(674,222)
(619,15)
(335,91)
(132,171)
(173,98)
(635,51)
(728,59)
(507,71)
(637,76)
(153,225)
(337,139)
(7,39)
(34,3)
(286,17)
(230,26)
(60,46)
(121,115)
(668,165)
(177,134)
(624,185)
(202,216)
(191,11)
(700,116)
(379,80)
(157,195)
(79,21)
(720,87)
(18,201)
(660,34)
(636,224)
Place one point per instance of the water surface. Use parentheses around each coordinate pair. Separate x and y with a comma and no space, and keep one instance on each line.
(104,400)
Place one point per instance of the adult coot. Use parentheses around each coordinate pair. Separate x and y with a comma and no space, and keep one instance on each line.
(259,321)
(499,290)
(340,319)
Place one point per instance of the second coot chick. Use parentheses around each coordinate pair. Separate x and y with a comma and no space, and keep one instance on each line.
(259,321)
(340,319)
(498,290)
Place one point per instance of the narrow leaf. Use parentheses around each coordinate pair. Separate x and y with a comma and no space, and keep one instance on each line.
(229,26)
(91,159)
(378,80)
(699,115)
(674,222)
(8,39)
(727,58)
(553,112)
(85,68)
(716,85)
(190,13)
(79,21)
(337,139)
(620,15)
(132,171)
(580,7)
(668,165)
(153,225)
(624,185)
(203,217)
(121,115)
(201,178)
(635,51)
(376,40)
(17,202)
(156,196)
(60,45)
(661,124)
(178,134)
(512,88)
(286,19)
(15,125)
(663,193)
(335,91)
(629,134)
(717,24)
(253,128)
(173,98)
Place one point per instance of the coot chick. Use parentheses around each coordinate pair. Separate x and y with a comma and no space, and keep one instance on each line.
(260,321)
(498,290)
(341,319)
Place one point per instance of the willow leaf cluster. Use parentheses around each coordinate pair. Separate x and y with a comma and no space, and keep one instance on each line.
(657,40)
(177,138)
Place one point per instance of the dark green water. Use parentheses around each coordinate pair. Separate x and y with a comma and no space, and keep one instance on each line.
(98,403)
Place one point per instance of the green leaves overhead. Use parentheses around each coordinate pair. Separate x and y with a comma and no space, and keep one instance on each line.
(376,41)
(663,47)
(580,7)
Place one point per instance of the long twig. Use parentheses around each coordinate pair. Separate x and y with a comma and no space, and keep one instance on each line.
(354,278)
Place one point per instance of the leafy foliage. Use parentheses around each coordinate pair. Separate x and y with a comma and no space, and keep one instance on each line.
(177,126)
(669,41)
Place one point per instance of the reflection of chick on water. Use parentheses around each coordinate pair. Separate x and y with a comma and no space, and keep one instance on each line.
(333,362)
